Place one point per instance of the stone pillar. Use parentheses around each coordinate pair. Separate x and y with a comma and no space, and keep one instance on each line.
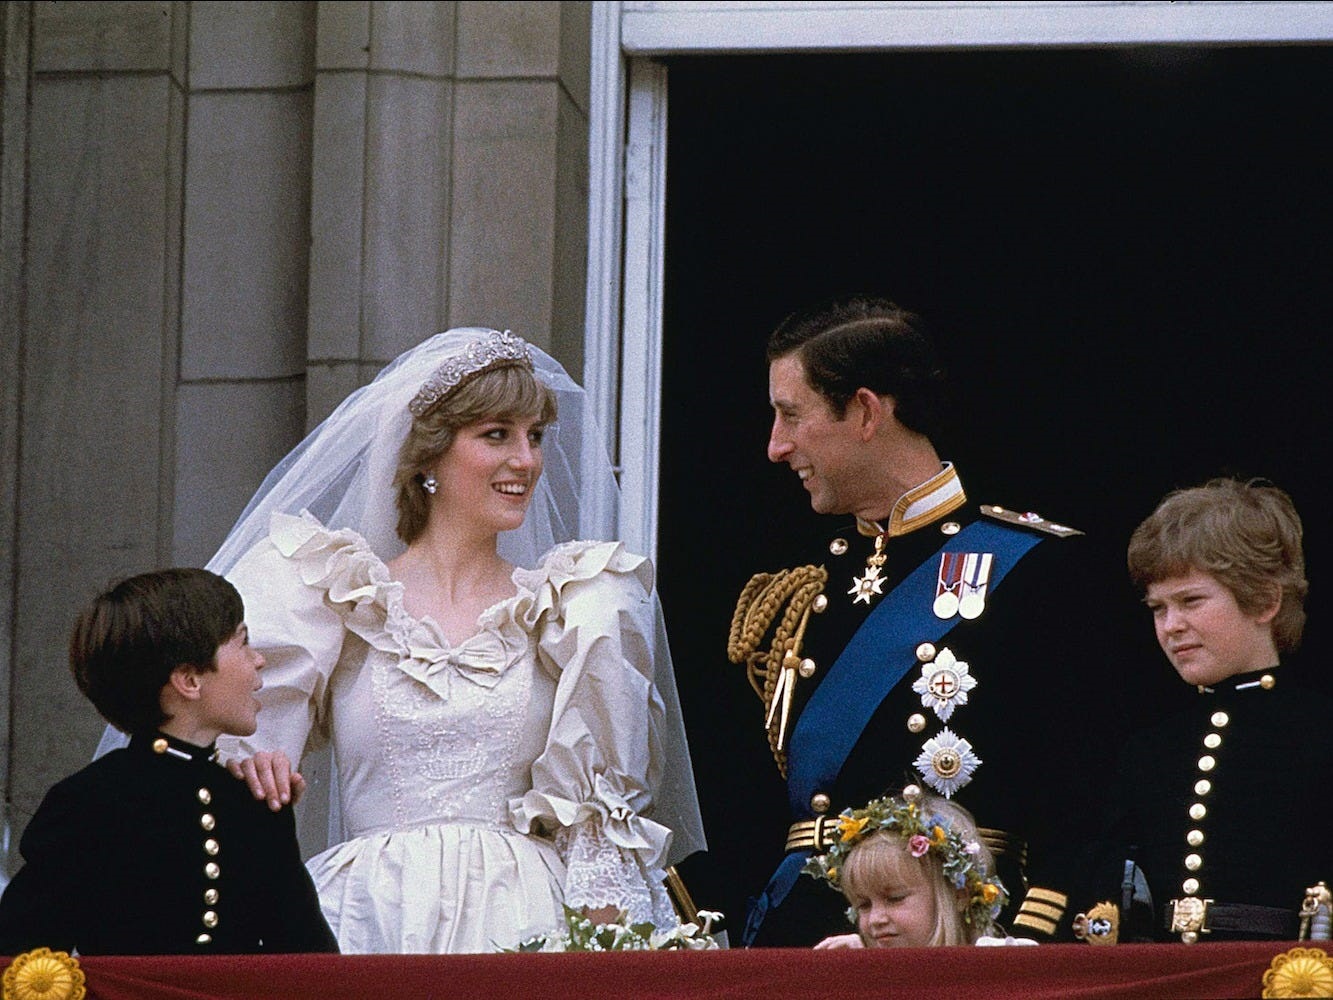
(519,219)
(244,260)
(15,33)
(96,379)
(450,180)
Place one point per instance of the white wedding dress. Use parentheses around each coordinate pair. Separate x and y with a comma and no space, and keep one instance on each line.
(481,785)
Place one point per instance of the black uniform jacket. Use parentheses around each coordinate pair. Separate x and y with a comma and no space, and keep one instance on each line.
(145,852)
(1228,799)
(1033,653)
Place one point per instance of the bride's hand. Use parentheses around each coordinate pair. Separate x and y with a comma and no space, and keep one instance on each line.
(270,776)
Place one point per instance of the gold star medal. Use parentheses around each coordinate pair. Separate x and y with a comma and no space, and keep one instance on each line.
(869,584)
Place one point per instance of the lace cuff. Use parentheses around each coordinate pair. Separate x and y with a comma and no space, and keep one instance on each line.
(600,873)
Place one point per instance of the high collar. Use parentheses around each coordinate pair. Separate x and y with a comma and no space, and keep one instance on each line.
(1243,684)
(939,495)
(160,744)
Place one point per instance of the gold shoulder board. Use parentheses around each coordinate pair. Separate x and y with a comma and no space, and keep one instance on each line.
(1028,520)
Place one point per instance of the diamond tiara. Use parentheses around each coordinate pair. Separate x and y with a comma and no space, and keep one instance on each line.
(494,349)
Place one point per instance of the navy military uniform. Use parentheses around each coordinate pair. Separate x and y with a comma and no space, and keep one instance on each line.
(156,849)
(1224,803)
(996,666)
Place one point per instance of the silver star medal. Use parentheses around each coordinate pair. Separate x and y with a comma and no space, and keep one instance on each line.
(869,584)
(946,762)
(944,684)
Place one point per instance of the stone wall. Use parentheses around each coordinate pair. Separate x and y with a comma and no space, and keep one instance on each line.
(216,220)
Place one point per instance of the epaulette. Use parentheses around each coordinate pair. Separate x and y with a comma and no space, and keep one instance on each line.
(1028,520)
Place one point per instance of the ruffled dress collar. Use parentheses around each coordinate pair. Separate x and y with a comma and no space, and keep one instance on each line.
(341,563)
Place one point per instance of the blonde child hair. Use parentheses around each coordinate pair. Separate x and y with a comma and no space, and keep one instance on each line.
(878,844)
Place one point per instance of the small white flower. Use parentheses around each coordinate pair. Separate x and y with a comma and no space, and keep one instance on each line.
(944,684)
(947,762)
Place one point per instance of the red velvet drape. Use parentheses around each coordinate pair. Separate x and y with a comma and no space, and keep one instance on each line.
(1058,972)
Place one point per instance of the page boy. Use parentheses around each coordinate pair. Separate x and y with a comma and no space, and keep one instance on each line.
(155,848)
(1222,806)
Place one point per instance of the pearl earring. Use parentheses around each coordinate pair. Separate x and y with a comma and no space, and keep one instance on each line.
(430,484)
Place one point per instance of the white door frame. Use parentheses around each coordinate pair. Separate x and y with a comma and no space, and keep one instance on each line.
(627,172)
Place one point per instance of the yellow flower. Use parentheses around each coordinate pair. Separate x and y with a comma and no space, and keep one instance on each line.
(990,892)
(937,835)
(43,974)
(1300,972)
(833,873)
(850,828)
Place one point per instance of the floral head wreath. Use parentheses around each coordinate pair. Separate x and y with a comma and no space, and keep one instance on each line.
(959,855)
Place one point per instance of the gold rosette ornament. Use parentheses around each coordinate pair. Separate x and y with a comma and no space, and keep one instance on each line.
(1300,972)
(43,974)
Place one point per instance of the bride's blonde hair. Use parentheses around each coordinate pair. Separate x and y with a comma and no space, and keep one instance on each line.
(510,392)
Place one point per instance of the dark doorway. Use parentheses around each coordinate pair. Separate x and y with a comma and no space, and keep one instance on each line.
(1124,253)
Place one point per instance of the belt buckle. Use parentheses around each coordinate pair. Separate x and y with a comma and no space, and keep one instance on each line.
(819,834)
(1189,915)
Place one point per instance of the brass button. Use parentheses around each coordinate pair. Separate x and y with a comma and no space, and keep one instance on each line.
(160,745)
(1203,786)
(951,527)
(819,802)
(1198,811)
(1220,719)
(1194,838)
(1190,885)
(1207,763)
(210,918)
(1189,937)
(1212,741)
(204,939)
(211,847)
(820,604)
(838,546)
(207,821)
(1267,681)
(925,652)
(916,722)
(807,668)
(1193,862)
(204,796)
(210,897)
(212,870)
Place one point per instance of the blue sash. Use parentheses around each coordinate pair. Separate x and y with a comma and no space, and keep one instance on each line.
(881,652)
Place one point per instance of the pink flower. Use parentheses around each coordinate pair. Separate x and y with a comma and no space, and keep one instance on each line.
(918,845)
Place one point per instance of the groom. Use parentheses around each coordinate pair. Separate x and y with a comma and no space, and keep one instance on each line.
(936,639)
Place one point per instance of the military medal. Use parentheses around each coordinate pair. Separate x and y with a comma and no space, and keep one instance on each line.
(976,575)
(944,684)
(946,762)
(948,585)
(869,584)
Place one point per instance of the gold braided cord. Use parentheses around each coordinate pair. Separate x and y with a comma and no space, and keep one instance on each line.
(761,602)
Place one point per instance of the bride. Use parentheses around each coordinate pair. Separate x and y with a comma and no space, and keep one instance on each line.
(505,733)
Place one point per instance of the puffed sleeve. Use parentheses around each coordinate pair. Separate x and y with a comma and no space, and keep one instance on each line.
(594,781)
(294,623)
